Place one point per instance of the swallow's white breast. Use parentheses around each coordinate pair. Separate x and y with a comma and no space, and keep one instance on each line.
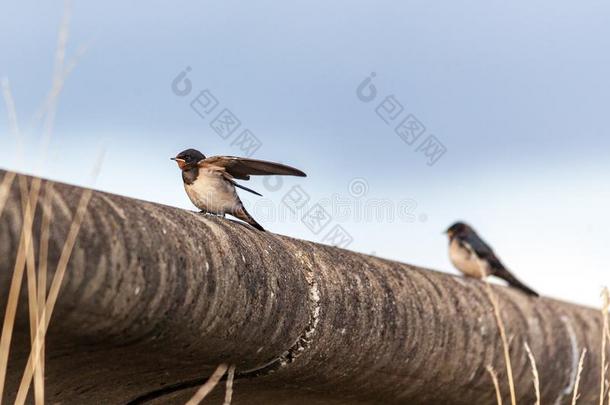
(466,261)
(212,193)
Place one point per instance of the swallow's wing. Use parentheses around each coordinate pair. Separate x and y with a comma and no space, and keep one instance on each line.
(243,168)
(482,250)
(478,246)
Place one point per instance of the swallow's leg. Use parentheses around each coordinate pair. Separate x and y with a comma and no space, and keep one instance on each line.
(212,214)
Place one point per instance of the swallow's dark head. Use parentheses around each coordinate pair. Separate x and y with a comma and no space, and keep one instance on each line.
(459,228)
(188,158)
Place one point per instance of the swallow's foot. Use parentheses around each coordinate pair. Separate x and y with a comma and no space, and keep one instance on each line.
(211,214)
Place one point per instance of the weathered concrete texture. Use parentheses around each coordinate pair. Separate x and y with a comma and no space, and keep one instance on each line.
(155,297)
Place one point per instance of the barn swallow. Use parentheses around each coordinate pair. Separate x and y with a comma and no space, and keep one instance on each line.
(210,182)
(473,257)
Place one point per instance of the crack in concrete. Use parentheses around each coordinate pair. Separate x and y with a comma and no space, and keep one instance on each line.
(288,357)
(303,341)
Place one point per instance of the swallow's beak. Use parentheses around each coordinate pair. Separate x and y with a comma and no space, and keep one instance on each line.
(181,162)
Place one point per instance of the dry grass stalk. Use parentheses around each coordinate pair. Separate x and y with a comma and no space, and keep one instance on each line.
(24,253)
(606,382)
(605,307)
(5,187)
(581,363)
(608,341)
(208,386)
(42,279)
(7,181)
(494,379)
(9,101)
(33,305)
(30,196)
(229,389)
(53,94)
(58,76)
(505,345)
(534,372)
(13,296)
(53,295)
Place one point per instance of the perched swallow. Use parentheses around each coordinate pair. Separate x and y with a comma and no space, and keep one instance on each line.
(210,182)
(473,257)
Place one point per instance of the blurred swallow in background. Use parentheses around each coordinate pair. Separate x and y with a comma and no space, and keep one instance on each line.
(473,257)
(210,182)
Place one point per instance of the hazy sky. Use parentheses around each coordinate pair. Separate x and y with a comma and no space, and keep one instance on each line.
(516,93)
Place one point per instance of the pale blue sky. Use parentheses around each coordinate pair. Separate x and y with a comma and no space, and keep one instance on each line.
(517,92)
